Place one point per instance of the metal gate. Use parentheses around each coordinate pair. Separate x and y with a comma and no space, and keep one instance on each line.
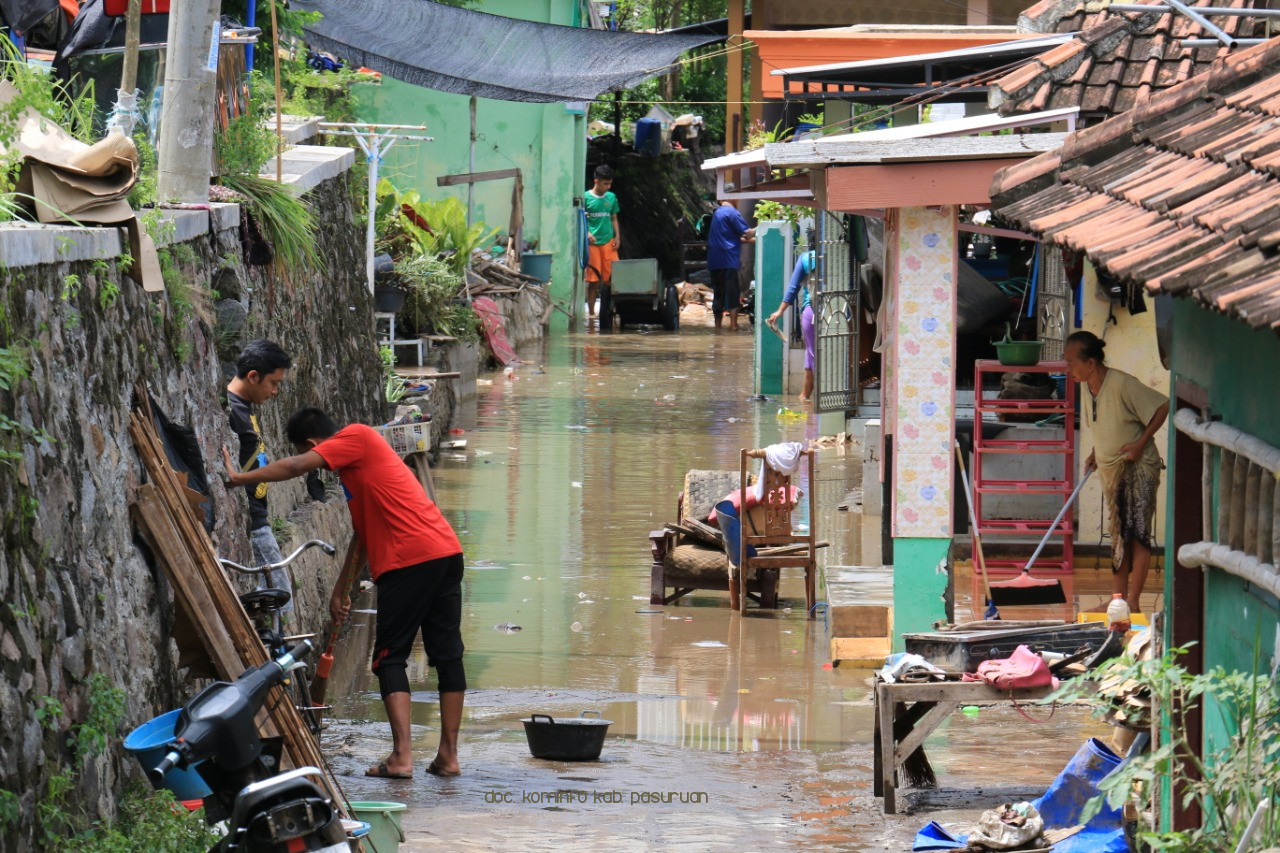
(1054,298)
(837,301)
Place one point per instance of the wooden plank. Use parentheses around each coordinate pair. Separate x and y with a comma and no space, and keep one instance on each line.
(888,768)
(964,692)
(860,620)
(860,651)
(156,524)
(476,177)
(924,727)
(222,604)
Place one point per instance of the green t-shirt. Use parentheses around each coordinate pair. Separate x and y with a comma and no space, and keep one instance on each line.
(600,212)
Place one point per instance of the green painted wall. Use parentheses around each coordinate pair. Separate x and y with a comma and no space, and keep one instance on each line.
(920,581)
(1236,366)
(773,254)
(545,141)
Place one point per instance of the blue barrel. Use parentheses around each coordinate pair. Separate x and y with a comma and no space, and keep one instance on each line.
(537,264)
(649,137)
(148,742)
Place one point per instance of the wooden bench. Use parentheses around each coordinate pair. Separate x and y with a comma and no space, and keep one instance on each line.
(907,713)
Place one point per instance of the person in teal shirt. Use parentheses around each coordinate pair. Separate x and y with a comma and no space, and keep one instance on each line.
(798,288)
(603,236)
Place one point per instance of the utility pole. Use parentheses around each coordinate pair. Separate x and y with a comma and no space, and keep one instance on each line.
(185,152)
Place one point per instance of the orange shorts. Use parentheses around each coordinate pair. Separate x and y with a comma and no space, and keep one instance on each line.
(600,260)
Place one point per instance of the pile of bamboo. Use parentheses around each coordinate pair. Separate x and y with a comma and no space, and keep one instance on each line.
(166,513)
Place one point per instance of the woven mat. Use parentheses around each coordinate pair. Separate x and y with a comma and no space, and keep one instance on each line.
(704,489)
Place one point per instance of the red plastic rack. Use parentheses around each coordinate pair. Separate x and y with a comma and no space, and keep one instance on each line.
(985,402)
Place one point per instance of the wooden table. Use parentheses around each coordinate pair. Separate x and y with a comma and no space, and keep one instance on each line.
(909,713)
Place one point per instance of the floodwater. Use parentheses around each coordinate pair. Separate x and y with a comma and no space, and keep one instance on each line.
(729,731)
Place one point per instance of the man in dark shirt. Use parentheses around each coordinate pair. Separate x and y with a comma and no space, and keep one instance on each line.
(260,371)
(725,237)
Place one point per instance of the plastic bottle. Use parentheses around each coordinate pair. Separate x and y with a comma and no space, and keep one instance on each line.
(1118,613)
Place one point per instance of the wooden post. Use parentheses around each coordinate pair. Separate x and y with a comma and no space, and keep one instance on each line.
(733,97)
(132,30)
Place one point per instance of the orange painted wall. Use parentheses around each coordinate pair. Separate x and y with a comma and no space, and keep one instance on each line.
(796,49)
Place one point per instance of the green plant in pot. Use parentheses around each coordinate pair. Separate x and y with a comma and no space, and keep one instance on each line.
(432,298)
(1017,353)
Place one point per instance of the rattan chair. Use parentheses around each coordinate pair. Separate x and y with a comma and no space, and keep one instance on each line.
(684,563)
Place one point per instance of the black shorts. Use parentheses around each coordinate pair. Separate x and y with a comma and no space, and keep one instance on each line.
(425,598)
(726,295)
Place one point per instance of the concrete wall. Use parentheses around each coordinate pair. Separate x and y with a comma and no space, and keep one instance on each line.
(545,141)
(81,596)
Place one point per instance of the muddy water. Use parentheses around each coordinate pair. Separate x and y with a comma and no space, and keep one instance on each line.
(728,731)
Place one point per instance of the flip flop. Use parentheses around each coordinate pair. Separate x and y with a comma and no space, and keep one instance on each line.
(381,772)
(436,770)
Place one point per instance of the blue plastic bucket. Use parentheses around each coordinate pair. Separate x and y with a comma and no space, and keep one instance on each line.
(649,137)
(537,264)
(1076,785)
(147,744)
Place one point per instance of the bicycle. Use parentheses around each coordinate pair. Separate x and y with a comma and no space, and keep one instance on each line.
(263,607)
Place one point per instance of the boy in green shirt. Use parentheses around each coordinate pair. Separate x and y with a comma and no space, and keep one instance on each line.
(601,207)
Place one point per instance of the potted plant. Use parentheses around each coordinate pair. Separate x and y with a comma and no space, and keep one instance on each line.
(388,287)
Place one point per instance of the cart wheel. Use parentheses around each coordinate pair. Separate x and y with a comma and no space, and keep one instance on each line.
(671,311)
(606,308)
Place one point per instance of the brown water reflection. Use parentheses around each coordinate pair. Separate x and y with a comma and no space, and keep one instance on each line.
(570,463)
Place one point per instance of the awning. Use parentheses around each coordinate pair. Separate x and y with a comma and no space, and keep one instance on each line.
(490,56)
(888,81)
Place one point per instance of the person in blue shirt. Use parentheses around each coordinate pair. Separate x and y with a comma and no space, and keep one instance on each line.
(725,237)
(798,289)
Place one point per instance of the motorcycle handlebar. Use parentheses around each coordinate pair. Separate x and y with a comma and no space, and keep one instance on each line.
(166,764)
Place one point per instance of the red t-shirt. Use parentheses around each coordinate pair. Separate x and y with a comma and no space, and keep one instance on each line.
(400,526)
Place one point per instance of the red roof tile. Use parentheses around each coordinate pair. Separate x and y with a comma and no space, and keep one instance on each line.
(1180,193)
(1122,56)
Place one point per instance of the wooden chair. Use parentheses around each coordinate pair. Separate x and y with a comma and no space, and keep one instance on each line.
(769,525)
(684,563)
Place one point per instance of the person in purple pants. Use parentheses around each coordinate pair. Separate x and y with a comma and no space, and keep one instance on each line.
(798,288)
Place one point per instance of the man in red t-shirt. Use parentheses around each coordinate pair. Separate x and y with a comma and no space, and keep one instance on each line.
(416,563)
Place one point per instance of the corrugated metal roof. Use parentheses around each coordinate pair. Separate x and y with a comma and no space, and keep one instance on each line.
(1180,193)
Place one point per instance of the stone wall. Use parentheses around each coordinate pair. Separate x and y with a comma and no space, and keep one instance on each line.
(80,597)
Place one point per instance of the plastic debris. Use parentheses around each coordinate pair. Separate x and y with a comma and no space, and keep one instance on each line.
(710,644)
(575,627)
(507,627)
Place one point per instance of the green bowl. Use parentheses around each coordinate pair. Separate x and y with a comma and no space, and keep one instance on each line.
(1018,353)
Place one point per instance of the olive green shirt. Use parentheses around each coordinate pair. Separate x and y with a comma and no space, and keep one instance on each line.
(1118,414)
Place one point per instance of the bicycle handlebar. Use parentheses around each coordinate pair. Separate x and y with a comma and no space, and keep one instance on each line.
(311,543)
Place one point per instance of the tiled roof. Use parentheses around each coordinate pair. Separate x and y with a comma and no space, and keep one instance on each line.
(1181,193)
(1117,58)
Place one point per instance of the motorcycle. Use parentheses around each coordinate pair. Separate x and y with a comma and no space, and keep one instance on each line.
(266,811)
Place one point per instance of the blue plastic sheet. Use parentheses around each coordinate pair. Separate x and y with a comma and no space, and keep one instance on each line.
(934,837)
(1064,801)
